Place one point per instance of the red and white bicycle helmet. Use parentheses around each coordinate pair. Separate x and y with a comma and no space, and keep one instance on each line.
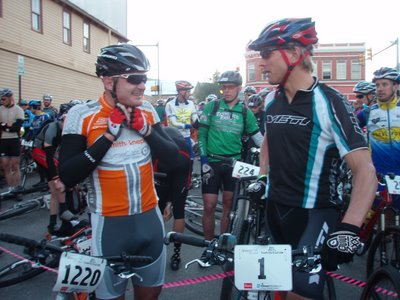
(289,30)
(183,85)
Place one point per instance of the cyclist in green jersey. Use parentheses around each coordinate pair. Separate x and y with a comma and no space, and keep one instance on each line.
(220,132)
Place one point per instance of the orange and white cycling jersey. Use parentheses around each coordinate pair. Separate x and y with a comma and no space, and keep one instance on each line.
(122,184)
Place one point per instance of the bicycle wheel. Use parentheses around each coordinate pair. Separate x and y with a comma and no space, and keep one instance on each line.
(384,250)
(21,208)
(384,283)
(194,215)
(22,270)
(238,223)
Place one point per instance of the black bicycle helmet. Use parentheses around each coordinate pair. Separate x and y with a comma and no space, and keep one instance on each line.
(233,77)
(6,92)
(387,73)
(290,30)
(364,87)
(250,90)
(254,100)
(121,59)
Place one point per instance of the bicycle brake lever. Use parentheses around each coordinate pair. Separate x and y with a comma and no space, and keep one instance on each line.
(126,275)
(201,263)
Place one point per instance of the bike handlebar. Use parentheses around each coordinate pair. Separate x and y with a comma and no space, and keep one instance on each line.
(185,239)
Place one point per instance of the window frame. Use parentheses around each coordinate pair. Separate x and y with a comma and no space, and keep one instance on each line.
(37,17)
(341,67)
(86,47)
(67,31)
(326,64)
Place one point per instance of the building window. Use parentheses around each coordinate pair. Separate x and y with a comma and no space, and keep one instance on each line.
(355,70)
(341,70)
(326,70)
(251,76)
(36,13)
(66,28)
(86,37)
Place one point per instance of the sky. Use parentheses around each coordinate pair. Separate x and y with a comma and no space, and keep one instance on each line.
(197,38)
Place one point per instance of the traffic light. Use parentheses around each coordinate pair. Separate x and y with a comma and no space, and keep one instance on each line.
(361,59)
(154,88)
(369,53)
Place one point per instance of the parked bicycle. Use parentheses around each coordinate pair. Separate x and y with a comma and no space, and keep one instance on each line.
(221,250)
(384,283)
(24,207)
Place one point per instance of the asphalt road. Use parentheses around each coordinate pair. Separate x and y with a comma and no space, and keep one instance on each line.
(178,286)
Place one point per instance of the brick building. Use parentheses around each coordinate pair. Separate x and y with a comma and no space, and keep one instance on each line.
(339,65)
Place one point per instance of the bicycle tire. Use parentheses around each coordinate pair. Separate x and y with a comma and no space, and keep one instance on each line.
(237,228)
(20,209)
(391,237)
(384,283)
(10,275)
(24,163)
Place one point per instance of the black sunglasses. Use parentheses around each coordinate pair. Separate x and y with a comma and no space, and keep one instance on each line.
(266,52)
(360,96)
(134,78)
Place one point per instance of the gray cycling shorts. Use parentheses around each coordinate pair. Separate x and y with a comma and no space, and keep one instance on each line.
(140,234)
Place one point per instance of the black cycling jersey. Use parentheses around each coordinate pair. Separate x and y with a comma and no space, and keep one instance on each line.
(307,140)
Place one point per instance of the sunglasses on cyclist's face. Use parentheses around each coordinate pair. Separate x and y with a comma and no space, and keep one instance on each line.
(267,52)
(360,96)
(134,78)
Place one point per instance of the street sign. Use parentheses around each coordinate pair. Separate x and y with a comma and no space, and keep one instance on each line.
(21,65)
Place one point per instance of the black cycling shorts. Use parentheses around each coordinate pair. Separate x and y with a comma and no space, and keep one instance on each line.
(174,189)
(222,178)
(302,227)
(10,147)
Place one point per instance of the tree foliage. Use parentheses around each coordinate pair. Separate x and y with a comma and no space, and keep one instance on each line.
(203,89)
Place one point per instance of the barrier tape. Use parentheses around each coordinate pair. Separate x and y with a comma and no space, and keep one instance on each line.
(202,279)
(33,263)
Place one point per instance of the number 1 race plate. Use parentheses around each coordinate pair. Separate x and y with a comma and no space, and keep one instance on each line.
(263,267)
(241,170)
(393,185)
(79,273)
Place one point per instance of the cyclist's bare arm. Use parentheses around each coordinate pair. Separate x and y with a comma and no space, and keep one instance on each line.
(264,156)
(364,186)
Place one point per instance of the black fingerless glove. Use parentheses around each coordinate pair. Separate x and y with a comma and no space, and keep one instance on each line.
(340,246)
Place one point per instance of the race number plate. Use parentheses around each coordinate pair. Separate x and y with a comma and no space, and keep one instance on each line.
(393,185)
(27,143)
(79,273)
(263,267)
(241,170)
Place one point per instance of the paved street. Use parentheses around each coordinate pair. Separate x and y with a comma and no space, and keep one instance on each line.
(33,225)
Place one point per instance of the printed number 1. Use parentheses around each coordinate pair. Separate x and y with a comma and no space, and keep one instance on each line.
(262,268)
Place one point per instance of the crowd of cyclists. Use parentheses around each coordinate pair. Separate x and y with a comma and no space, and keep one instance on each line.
(302,127)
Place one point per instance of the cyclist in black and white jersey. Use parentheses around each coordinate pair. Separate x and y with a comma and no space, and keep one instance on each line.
(310,128)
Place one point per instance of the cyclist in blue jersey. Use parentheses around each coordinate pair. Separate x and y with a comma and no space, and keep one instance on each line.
(365,94)
(310,128)
(382,121)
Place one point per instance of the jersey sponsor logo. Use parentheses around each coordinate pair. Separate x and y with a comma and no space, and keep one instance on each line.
(288,119)
(226,115)
(100,123)
(382,135)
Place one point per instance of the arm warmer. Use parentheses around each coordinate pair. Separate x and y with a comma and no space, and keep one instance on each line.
(16,126)
(50,150)
(162,146)
(76,161)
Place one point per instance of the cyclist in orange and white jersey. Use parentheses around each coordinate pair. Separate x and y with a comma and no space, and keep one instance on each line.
(109,142)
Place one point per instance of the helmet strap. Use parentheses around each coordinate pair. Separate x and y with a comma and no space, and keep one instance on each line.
(114,91)
(290,66)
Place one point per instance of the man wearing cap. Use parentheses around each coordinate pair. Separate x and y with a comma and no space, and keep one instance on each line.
(11,119)
(48,108)
(181,112)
